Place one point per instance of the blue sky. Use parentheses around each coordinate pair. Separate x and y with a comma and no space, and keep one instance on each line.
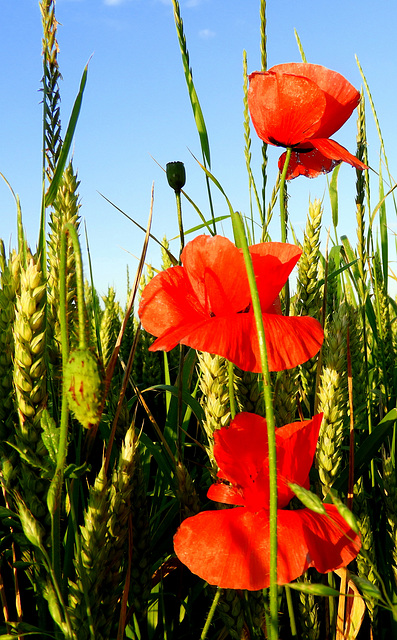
(136,108)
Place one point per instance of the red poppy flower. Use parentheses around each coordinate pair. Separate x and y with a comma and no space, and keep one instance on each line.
(230,547)
(206,304)
(301,105)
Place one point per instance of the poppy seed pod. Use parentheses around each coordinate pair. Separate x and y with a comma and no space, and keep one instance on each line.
(176,175)
(84,386)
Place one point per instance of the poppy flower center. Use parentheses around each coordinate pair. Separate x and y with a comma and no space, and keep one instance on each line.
(293,146)
(276,142)
(246,310)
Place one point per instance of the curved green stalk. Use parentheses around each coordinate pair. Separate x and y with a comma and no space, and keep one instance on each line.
(211,613)
(241,240)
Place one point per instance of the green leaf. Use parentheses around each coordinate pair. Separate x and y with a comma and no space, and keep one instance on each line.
(351,257)
(309,499)
(345,512)
(335,273)
(204,225)
(197,112)
(315,589)
(32,460)
(6,513)
(186,397)
(50,435)
(76,471)
(63,156)
(383,229)
(366,587)
(10,636)
(333,195)
(156,450)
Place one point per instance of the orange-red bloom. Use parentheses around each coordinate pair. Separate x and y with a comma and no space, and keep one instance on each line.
(301,105)
(230,547)
(206,304)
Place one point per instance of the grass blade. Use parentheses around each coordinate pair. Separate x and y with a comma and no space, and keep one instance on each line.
(53,188)
(197,112)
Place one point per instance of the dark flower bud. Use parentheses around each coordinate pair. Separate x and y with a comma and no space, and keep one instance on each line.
(176,175)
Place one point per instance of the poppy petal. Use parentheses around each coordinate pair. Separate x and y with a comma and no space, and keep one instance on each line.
(309,163)
(229,336)
(275,102)
(272,262)
(330,542)
(241,452)
(168,301)
(289,340)
(335,151)
(298,436)
(241,449)
(230,548)
(225,494)
(341,97)
(208,306)
(216,271)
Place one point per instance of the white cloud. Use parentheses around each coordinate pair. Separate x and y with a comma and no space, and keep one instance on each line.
(206,34)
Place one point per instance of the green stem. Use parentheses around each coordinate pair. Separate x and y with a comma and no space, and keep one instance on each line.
(241,240)
(180,223)
(180,401)
(55,489)
(232,399)
(331,602)
(58,593)
(211,613)
(291,613)
(283,220)
(283,217)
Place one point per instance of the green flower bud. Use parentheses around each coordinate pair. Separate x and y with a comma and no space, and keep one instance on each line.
(176,175)
(84,386)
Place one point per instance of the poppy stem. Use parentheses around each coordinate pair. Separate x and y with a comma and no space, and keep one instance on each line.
(283,216)
(241,241)
(291,613)
(211,613)
(180,223)
(283,219)
(232,399)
